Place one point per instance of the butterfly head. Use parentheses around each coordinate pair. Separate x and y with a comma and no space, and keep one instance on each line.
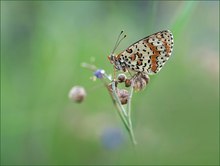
(113,60)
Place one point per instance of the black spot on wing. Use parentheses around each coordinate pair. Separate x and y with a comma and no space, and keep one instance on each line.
(129,50)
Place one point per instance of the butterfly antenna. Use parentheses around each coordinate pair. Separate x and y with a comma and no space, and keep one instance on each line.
(118,41)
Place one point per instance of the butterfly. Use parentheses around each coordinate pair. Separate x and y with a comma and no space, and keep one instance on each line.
(147,55)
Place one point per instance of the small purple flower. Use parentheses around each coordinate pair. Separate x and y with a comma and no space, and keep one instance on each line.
(99,73)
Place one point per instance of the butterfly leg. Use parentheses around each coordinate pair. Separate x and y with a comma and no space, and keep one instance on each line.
(114,73)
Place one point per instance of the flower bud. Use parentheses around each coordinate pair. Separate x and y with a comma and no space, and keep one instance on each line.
(121,78)
(77,94)
(127,83)
(99,73)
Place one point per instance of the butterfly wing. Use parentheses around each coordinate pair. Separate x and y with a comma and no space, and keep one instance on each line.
(148,54)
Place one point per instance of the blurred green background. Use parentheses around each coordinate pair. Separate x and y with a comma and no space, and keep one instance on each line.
(176,118)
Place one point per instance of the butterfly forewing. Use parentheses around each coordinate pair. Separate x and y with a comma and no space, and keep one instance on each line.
(148,54)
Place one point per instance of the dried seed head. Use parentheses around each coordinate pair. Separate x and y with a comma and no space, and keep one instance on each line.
(145,77)
(123,95)
(77,94)
(139,84)
(140,81)
(99,73)
(121,78)
(127,83)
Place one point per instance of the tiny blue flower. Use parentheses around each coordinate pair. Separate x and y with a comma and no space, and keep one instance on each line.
(99,73)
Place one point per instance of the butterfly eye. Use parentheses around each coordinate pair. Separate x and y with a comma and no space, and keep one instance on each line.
(111,58)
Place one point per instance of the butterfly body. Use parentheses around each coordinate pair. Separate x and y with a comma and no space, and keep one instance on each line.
(147,55)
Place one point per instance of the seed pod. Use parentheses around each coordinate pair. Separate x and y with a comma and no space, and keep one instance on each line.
(140,81)
(121,78)
(146,78)
(77,94)
(123,96)
(127,83)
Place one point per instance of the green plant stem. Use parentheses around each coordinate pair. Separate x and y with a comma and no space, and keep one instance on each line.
(119,107)
(123,114)
(118,100)
(126,118)
(131,133)
(89,66)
